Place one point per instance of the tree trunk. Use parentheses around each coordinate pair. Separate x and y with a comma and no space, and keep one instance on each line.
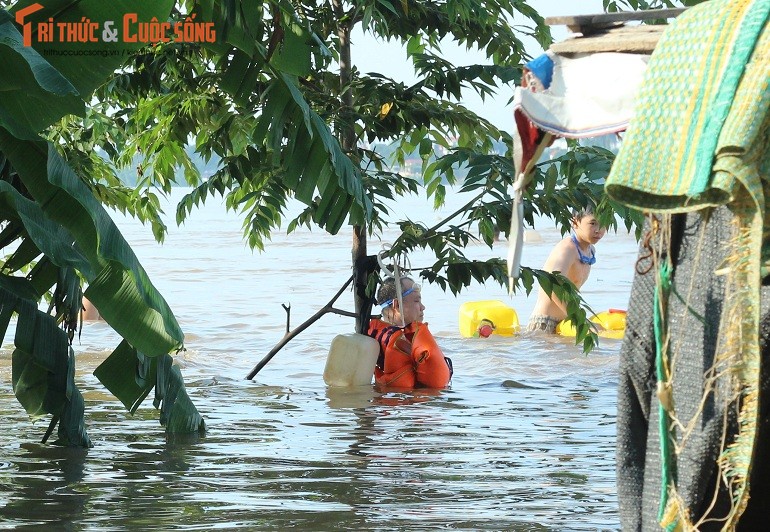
(348,141)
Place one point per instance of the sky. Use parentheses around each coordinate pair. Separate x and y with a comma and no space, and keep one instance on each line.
(388,58)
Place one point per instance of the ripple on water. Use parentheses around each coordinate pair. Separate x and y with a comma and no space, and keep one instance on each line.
(523,439)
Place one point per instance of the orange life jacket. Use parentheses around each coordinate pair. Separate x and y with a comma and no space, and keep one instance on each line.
(409,357)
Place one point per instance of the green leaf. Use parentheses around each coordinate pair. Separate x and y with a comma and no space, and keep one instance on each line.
(545,284)
(414,46)
(299,102)
(128,374)
(177,412)
(118,285)
(43,371)
(45,235)
(43,276)
(87,64)
(34,93)
(241,77)
(11,289)
(30,383)
(312,156)
(550,179)
(72,430)
(22,256)
(42,83)
(293,54)
(231,25)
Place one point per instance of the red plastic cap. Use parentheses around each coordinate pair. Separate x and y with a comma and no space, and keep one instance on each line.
(485,331)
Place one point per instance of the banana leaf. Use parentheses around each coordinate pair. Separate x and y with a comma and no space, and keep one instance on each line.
(88,64)
(43,363)
(176,410)
(128,374)
(33,91)
(118,285)
(11,290)
(69,226)
(132,382)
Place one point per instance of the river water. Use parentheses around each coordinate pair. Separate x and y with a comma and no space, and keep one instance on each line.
(523,440)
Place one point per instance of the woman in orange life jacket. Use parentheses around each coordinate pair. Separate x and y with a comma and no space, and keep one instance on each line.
(409,356)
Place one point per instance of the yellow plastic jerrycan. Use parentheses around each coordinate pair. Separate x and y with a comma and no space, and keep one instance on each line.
(613,322)
(351,360)
(483,318)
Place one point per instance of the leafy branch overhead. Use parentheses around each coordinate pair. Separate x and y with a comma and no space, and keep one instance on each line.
(268,108)
(559,186)
(241,101)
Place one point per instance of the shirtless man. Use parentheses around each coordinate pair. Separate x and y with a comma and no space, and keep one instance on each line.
(573,257)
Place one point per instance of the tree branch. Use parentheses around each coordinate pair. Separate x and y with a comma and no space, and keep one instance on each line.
(307,323)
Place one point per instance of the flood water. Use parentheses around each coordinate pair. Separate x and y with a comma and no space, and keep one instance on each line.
(523,440)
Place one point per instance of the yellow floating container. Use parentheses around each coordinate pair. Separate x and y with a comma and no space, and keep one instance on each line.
(613,321)
(482,318)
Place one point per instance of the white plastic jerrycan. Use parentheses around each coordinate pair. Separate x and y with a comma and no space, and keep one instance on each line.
(351,360)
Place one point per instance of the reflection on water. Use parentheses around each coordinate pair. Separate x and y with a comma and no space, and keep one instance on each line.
(523,440)
(486,454)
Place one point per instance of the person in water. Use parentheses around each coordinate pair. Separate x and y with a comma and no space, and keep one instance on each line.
(89,312)
(409,355)
(573,257)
